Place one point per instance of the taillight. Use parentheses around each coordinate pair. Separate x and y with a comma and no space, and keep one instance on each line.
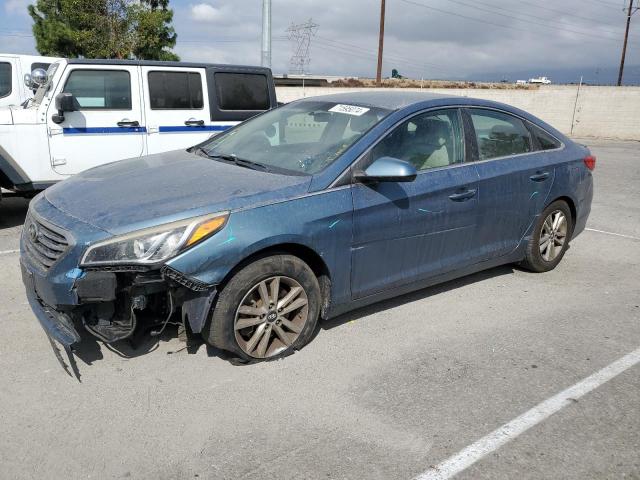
(590,162)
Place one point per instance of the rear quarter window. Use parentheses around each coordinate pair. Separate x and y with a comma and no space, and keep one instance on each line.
(242,91)
(5,79)
(544,140)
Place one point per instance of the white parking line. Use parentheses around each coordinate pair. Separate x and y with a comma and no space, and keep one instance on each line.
(612,233)
(496,439)
(8,252)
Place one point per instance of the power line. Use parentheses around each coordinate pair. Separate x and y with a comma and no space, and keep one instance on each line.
(469,5)
(487,22)
(390,56)
(560,20)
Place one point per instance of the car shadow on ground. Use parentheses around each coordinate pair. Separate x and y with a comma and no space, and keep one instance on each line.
(89,349)
(13,210)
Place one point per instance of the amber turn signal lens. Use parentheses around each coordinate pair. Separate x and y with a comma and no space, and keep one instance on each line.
(206,228)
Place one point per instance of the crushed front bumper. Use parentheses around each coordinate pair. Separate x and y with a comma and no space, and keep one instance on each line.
(57,325)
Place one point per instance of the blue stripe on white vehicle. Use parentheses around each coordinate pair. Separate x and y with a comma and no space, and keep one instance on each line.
(205,128)
(102,130)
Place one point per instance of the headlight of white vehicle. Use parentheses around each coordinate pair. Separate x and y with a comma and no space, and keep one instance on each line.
(156,244)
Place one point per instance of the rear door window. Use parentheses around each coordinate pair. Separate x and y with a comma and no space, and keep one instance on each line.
(242,91)
(5,79)
(499,134)
(175,91)
(100,89)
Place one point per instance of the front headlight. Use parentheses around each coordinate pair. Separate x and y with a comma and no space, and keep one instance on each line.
(156,244)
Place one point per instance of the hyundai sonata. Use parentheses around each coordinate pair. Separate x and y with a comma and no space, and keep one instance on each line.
(302,213)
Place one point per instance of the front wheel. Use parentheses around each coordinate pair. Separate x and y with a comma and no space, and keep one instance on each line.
(550,238)
(267,310)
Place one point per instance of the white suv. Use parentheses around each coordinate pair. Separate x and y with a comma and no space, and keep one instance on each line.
(91,112)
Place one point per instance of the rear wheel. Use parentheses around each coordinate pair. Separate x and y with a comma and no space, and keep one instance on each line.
(267,310)
(550,238)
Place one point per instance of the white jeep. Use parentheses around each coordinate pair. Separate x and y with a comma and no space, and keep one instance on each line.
(90,112)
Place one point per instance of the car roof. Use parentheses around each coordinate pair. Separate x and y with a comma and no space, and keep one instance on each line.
(388,99)
(160,63)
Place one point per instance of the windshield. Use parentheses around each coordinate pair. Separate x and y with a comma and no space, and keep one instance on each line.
(43,89)
(301,137)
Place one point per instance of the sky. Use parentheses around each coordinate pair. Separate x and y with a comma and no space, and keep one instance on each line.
(424,38)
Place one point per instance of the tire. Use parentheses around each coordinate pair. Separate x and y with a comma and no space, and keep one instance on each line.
(288,331)
(541,255)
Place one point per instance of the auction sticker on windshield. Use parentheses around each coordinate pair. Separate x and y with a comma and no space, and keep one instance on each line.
(349,109)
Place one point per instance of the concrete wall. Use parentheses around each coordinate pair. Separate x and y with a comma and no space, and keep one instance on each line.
(606,112)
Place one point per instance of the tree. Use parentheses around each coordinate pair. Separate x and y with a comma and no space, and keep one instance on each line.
(104,28)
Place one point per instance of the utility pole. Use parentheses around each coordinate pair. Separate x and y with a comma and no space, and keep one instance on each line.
(630,12)
(381,44)
(266,33)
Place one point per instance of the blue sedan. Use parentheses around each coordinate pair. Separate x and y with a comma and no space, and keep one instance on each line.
(302,213)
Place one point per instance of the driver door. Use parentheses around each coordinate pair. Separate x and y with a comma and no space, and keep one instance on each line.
(109,123)
(405,232)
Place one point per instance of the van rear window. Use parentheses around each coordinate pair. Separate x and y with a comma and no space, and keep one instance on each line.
(242,91)
(5,79)
(175,90)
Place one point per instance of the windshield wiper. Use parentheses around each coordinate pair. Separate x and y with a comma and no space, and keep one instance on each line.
(241,162)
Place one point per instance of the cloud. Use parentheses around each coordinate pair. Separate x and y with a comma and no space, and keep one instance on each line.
(17,6)
(203,12)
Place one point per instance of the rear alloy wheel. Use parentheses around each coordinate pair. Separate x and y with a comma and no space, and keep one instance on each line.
(271,317)
(550,238)
(553,235)
(267,310)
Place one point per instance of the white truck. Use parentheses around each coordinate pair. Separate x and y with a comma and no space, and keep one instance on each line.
(16,76)
(91,112)
(540,81)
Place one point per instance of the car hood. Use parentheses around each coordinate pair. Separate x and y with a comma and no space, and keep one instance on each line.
(123,196)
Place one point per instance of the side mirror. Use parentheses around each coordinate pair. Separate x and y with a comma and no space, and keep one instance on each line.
(64,102)
(388,169)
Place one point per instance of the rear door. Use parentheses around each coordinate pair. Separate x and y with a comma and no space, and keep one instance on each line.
(177,107)
(109,123)
(515,178)
(404,232)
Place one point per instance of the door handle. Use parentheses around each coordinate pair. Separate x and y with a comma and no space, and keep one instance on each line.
(127,123)
(462,196)
(194,123)
(539,177)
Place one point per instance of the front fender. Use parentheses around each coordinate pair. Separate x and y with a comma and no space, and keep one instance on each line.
(321,222)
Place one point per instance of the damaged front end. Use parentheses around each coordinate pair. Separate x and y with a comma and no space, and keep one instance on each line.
(116,302)
(114,288)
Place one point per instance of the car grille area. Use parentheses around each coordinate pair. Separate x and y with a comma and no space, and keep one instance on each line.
(43,243)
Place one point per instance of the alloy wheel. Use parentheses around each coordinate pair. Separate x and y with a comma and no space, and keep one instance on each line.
(553,235)
(271,316)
